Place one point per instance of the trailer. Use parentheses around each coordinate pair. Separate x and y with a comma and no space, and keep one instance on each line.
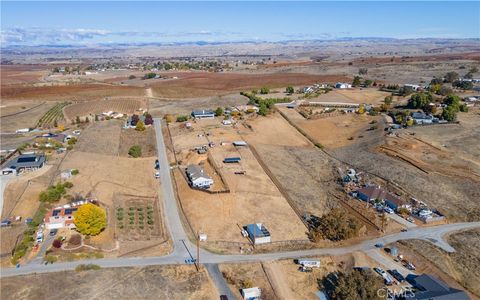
(309,263)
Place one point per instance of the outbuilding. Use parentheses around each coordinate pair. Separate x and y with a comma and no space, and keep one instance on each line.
(258,233)
(230,160)
(239,143)
(203,114)
(251,293)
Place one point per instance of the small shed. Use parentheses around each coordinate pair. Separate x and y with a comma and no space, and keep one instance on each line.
(239,143)
(258,233)
(251,293)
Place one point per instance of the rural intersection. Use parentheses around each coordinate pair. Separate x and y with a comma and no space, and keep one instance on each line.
(184,249)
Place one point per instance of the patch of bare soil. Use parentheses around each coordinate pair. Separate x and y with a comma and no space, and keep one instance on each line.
(102,137)
(145,139)
(429,158)
(461,266)
(123,105)
(306,174)
(240,276)
(195,84)
(67,92)
(160,282)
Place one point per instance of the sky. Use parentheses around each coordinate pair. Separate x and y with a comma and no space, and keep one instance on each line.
(90,22)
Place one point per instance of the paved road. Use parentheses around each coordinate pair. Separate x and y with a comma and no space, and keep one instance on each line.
(387,261)
(401,220)
(177,257)
(219,281)
(184,249)
(4,179)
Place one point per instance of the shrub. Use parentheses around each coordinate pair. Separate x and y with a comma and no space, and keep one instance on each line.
(72,141)
(86,267)
(90,219)
(51,259)
(182,118)
(336,225)
(354,285)
(55,192)
(264,90)
(135,151)
(219,111)
(75,172)
(140,126)
(57,243)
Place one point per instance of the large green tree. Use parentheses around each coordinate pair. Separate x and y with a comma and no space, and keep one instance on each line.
(420,100)
(90,219)
(357,80)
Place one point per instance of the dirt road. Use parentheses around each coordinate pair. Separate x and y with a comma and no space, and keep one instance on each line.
(278,281)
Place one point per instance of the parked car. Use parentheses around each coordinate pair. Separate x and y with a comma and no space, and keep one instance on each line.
(157,175)
(380,271)
(190,261)
(404,230)
(5,223)
(409,219)
(379,245)
(223,297)
(388,210)
(408,265)
(397,275)
(53,232)
(305,269)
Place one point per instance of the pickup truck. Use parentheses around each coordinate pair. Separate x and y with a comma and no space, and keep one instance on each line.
(399,277)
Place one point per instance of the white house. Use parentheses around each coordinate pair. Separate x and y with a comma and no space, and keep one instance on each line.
(342,85)
(198,178)
(414,87)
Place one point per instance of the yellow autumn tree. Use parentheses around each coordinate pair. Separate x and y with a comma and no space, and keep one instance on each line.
(140,126)
(90,219)
(361,109)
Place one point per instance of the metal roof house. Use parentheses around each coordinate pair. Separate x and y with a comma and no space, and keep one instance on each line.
(372,192)
(422,118)
(258,233)
(198,178)
(24,162)
(432,288)
(203,114)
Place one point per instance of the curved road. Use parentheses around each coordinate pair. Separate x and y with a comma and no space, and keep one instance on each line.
(183,249)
